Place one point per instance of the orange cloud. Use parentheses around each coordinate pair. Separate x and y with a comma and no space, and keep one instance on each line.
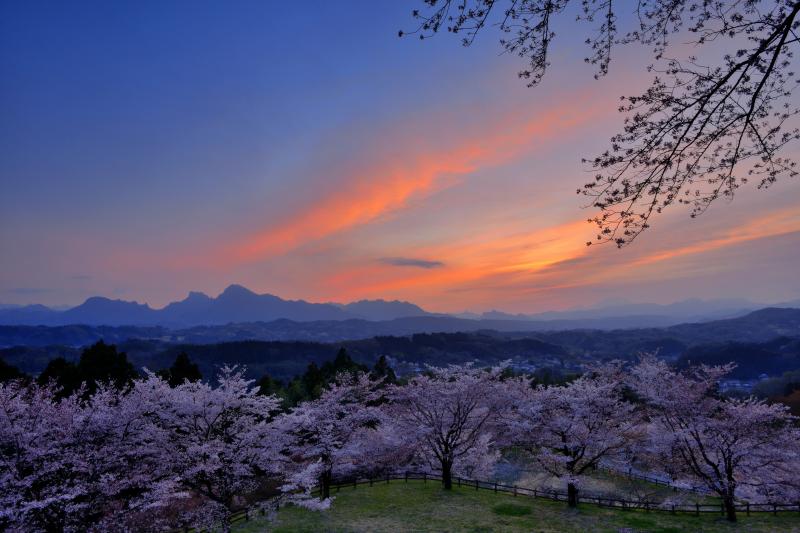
(513,263)
(772,224)
(366,194)
(482,262)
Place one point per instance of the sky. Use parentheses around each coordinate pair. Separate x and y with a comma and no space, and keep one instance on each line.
(149,149)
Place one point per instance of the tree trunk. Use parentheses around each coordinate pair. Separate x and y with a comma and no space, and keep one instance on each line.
(325,481)
(572,495)
(447,475)
(730,508)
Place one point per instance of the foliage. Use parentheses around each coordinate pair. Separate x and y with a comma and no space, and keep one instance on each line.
(383,372)
(311,384)
(9,372)
(445,420)
(100,363)
(332,430)
(510,509)
(181,456)
(572,428)
(731,447)
(151,456)
(183,369)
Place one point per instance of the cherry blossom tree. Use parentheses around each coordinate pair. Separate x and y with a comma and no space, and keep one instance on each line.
(335,430)
(31,426)
(447,420)
(732,447)
(221,441)
(72,464)
(572,428)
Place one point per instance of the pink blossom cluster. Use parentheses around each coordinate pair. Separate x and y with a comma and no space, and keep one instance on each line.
(154,457)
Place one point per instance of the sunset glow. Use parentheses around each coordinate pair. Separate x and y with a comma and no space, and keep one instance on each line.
(407,176)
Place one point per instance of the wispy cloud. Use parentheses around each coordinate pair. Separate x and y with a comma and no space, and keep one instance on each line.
(408,169)
(411,262)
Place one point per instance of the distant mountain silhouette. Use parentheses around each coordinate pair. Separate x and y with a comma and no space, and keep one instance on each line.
(234,305)
(28,314)
(99,310)
(692,310)
(238,305)
(383,310)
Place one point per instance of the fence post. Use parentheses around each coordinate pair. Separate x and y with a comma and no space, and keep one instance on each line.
(515,491)
(387,478)
(476,484)
(535,494)
(424,477)
(722,508)
(775,509)
(495,487)
(673,508)
(697,507)
(406,476)
(459,480)
(748,509)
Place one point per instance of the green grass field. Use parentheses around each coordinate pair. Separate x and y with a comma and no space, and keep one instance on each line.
(417,506)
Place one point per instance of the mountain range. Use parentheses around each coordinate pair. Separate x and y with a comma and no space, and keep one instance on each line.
(237,304)
(234,304)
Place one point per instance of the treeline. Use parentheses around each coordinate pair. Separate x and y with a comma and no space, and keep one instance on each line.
(155,456)
(103,364)
(285,359)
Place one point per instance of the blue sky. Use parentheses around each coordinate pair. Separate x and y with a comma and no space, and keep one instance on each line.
(152,148)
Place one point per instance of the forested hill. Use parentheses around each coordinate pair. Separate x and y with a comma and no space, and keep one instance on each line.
(765,341)
(758,326)
(284,360)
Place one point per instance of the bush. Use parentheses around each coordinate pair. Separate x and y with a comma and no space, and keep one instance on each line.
(511,509)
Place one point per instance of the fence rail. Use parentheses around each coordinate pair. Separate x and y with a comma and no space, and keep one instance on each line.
(552,495)
(630,474)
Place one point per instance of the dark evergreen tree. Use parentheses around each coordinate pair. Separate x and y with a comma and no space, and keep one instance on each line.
(183,369)
(10,372)
(343,363)
(102,363)
(267,385)
(383,372)
(63,374)
(313,381)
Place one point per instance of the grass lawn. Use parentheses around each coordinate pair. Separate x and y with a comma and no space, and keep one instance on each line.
(418,506)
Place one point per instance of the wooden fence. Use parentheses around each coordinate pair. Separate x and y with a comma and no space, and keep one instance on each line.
(630,474)
(616,503)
